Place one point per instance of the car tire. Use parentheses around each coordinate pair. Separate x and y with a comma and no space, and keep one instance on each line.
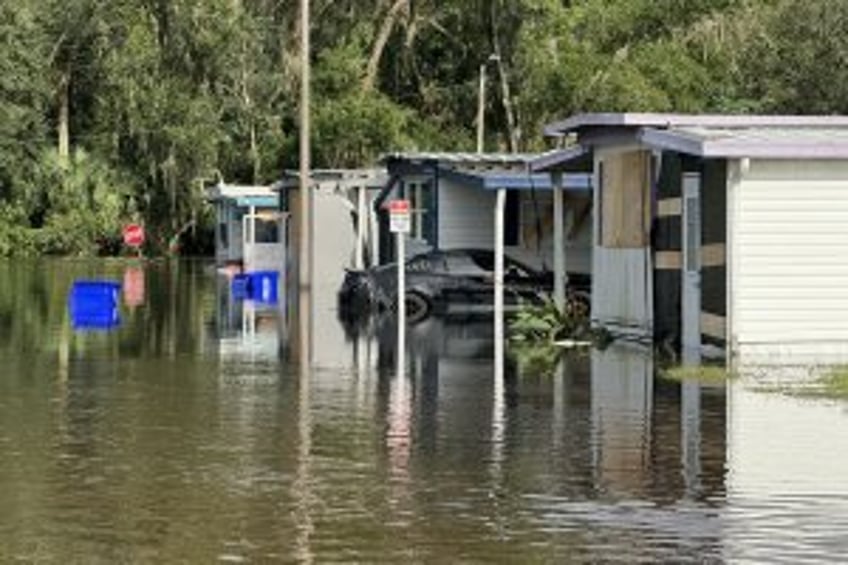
(418,306)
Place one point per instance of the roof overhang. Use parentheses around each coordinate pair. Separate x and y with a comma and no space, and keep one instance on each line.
(723,121)
(240,193)
(572,159)
(741,147)
(495,180)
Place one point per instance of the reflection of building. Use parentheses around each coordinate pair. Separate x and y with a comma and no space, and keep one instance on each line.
(787,477)
(249,227)
(246,329)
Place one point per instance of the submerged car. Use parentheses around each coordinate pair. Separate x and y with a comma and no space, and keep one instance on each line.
(447,282)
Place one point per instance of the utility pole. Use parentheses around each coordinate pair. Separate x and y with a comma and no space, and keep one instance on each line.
(481,103)
(305,236)
(481,108)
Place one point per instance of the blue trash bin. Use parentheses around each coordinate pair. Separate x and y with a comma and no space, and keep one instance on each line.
(263,286)
(94,304)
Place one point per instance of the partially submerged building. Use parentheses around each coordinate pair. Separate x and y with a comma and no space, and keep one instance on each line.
(249,227)
(454,205)
(717,233)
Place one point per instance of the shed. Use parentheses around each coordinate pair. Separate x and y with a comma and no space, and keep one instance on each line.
(249,226)
(718,233)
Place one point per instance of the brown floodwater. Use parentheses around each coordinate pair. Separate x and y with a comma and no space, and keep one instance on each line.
(189,433)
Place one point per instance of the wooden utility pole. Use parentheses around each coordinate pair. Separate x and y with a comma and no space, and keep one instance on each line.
(305,200)
(481,109)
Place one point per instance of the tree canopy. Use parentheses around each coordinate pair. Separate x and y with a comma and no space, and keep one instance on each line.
(118,111)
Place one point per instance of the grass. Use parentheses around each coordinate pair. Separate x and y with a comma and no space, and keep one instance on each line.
(834,383)
(700,373)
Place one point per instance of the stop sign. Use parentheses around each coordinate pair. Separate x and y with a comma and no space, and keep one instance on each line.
(134,235)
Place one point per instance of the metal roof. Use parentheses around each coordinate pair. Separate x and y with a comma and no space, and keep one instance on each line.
(473,159)
(494,180)
(572,158)
(374,178)
(753,142)
(234,192)
(724,121)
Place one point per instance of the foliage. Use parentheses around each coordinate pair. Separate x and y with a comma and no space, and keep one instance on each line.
(162,97)
(701,373)
(834,384)
(546,323)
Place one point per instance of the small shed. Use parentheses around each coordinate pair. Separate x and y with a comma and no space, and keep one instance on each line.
(717,233)
(249,227)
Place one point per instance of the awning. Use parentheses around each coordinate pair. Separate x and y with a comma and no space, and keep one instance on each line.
(572,159)
(494,180)
(257,201)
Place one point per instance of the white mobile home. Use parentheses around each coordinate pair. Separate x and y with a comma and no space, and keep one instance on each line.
(715,230)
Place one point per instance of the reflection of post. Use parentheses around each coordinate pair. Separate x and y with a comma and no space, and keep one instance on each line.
(302,483)
(691,435)
(399,436)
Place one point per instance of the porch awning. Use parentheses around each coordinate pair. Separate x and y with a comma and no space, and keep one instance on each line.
(494,180)
(257,201)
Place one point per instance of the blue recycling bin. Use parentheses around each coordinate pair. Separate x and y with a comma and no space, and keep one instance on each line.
(94,305)
(263,286)
(239,286)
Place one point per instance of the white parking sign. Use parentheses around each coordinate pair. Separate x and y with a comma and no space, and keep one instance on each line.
(399,216)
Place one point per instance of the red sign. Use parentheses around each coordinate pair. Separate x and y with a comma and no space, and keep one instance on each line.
(399,206)
(134,235)
(399,216)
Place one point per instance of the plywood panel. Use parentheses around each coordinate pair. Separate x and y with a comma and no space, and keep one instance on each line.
(625,199)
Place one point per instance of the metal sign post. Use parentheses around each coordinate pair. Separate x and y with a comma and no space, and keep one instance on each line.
(399,224)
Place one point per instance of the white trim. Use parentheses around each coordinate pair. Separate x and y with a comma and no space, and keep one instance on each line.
(734,179)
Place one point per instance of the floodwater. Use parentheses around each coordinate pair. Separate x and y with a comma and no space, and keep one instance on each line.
(188,432)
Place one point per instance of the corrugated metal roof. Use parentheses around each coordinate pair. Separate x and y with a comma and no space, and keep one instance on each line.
(472,159)
(753,142)
(494,180)
(373,178)
(561,159)
(634,119)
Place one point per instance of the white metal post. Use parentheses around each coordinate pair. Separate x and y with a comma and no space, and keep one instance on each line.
(361,226)
(401,303)
(560,277)
(500,205)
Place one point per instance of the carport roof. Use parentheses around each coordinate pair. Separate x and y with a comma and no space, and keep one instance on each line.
(513,180)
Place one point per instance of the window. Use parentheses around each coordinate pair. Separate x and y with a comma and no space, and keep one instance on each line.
(223,235)
(420,196)
(267,230)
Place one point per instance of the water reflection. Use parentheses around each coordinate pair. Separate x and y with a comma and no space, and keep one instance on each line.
(188,435)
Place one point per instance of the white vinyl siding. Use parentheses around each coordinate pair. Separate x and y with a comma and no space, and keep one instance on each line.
(789,232)
(466,220)
(466,216)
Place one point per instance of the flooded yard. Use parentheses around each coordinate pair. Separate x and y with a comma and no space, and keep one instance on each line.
(188,432)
